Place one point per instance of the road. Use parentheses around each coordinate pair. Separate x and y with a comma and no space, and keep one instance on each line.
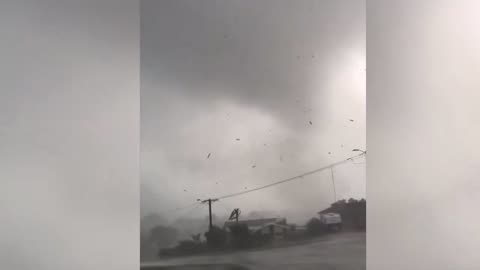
(343,251)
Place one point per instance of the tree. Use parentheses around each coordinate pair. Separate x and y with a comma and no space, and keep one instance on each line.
(163,236)
(240,236)
(315,226)
(216,237)
(196,237)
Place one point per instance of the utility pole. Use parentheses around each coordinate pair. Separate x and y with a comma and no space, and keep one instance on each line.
(333,183)
(210,212)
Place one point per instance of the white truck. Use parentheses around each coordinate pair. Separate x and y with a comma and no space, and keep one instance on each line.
(332,221)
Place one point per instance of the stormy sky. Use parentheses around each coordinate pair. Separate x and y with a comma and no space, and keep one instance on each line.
(238,94)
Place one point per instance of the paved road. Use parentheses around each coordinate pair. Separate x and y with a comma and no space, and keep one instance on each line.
(344,251)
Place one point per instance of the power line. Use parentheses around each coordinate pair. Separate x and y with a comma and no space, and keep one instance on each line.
(291,178)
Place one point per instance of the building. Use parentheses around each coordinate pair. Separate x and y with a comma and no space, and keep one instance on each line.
(274,228)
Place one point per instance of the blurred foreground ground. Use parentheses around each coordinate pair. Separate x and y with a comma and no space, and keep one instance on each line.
(342,251)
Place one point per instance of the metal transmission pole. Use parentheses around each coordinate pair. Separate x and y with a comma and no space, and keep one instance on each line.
(333,182)
(210,211)
(235,214)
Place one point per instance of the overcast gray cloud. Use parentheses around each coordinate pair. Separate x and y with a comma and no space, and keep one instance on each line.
(259,71)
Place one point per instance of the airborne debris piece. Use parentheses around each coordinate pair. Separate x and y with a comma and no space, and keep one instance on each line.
(351,120)
(310,122)
(254,166)
(209,155)
(184,190)
(238,139)
(329,153)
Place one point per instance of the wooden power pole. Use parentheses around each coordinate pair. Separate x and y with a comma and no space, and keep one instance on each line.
(210,212)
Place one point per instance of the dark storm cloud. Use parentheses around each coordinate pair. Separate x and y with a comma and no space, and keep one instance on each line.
(257,53)
(266,87)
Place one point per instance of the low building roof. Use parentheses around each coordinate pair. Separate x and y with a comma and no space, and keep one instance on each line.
(256,222)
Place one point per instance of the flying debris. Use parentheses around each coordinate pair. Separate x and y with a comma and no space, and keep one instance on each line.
(254,166)
(209,155)
(329,153)
(238,139)
(184,190)
(310,122)
(351,120)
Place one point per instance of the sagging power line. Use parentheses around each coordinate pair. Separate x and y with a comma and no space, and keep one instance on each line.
(297,177)
(300,176)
